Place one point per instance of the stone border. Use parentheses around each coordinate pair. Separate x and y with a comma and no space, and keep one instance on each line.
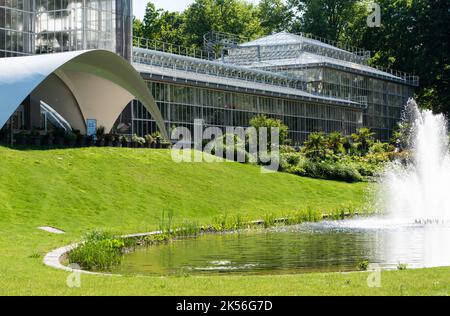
(53,258)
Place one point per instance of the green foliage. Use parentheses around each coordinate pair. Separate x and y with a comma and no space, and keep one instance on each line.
(332,171)
(269,220)
(229,16)
(363,139)
(327,158)
(324,18)
(335,143)
(414,37)
(138,140)
(100,251)
(274,15)
(260,121)
(316,147)
(166,222)
(401,136)
(363,265)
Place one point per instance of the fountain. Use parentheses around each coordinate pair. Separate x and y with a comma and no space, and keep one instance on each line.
(418,191)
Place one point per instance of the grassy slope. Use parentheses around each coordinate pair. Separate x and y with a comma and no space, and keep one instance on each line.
(125,191)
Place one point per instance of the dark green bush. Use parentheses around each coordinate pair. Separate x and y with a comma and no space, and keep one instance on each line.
(332,171)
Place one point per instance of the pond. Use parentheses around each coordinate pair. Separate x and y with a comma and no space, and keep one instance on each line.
(329,246)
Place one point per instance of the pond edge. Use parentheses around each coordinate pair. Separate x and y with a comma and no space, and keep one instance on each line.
(53,258)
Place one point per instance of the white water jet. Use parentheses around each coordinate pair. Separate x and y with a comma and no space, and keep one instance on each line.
(418,190)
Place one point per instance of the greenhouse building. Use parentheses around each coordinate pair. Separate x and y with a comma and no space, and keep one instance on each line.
(68,63)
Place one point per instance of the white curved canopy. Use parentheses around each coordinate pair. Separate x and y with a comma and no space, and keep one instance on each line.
(101,82)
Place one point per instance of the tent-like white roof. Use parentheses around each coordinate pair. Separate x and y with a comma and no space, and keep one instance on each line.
(102,83)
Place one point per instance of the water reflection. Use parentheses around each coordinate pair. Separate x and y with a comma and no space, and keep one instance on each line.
(318,247)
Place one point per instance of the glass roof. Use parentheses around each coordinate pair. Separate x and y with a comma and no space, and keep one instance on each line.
(284,38)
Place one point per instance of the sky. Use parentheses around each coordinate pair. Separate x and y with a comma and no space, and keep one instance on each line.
(169,5)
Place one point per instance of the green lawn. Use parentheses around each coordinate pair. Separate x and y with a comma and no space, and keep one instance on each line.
(125,191)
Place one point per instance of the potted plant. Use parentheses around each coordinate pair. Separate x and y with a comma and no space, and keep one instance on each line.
(70,139)
(124,141)
(158,138)
(100,136)
(116,141)
(137,141)
(149,141)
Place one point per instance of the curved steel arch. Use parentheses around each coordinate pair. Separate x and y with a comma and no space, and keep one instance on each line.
(102,83)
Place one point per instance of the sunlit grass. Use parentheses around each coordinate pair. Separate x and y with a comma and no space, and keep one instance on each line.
(126,190)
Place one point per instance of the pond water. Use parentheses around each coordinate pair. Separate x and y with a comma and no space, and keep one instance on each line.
(329,246)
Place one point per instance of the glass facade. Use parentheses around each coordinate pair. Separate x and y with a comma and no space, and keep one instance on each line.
(181,104)
(344,93)
(46,26)
(384,100)
(16,28)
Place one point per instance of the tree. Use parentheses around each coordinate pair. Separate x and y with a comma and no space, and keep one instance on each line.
(263,121)
(363,139)
(171,30)
(414,37)
(274,16)
(316,147)
(137,28)
(325,18)
(160,25)
(335,142)
(230,16)
(151,22)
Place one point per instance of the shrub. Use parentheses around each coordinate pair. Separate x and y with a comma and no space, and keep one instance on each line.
(100,251)
(363,139)
(138,140)
(263,121)
(332,171)
(335,142)
(363,265)
(316,147)
(292,163)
